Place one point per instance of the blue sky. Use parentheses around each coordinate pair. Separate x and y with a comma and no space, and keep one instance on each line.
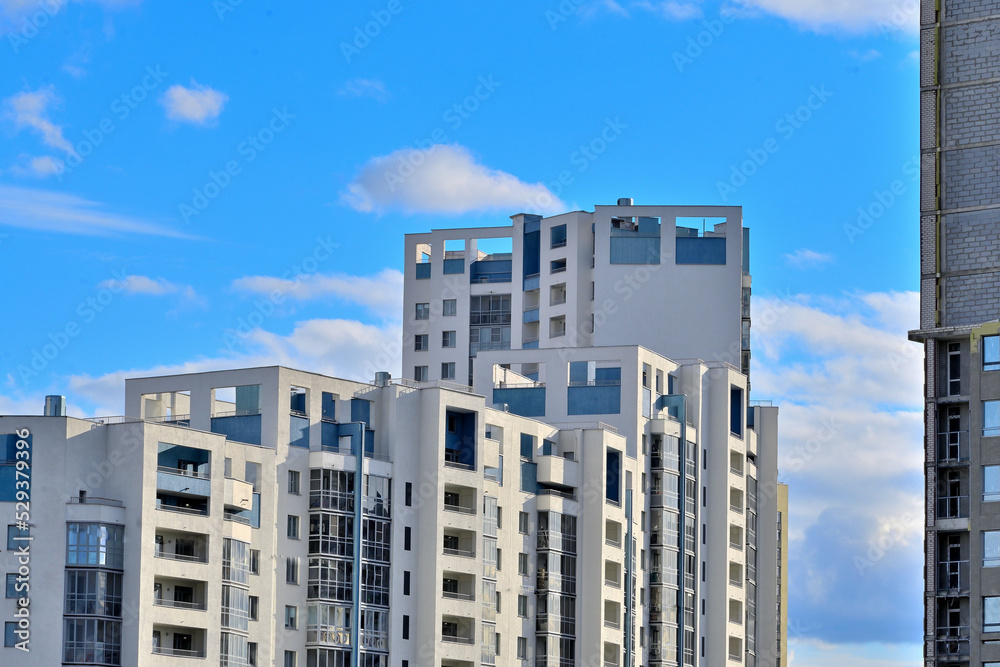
(165,173)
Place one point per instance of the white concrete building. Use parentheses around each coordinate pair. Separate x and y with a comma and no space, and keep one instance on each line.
(229,519)
(578,317)
(674,279)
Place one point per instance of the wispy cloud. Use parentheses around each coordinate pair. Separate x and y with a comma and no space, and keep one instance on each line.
(671,9)
(37,166)
(865,56)
(443,179)
(803,258)
(381,293)
(851,16)
(68,214)
(199,105)
(30,110)
(372,88)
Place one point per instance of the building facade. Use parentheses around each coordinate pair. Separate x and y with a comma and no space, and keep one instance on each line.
(587,483)
(673,279)
(269,516)
(959,313)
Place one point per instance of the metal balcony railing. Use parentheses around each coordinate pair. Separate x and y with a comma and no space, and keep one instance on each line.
(456,595)
(953,576)
(179,604)
(457,639)
(953,447)
(461,509)
(179,652)
(93,500)
(464,553)
(180,471)
(197,558)
(953,507)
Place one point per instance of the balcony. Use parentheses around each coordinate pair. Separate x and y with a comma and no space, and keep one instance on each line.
(953,447)
(457,639)
(179,604)
(170,504)
(953,507)
(179,652)
(461,509)
(236,517)
(186,547)
(558,471)
(550,539)
(953,640)
(94,500)
(953,576)
(183,481)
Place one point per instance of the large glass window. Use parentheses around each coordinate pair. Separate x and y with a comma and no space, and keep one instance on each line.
(991,483)
(235,561)
(95,544)
(235,608)
(991,614)
(449,307)
(991,548)
(331,490)
(330,579)
(93,593)
(991,418)
(234,651)
(991,353)
(92,641)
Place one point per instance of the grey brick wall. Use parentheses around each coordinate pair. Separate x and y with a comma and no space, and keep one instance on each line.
(972,241)
(928,245)
(958,10)
(972,114)
(971,177)
(970,51)
(971,299)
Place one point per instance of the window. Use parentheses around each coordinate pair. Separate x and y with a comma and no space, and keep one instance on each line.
(448,338)
(254,607)
(522,648)
(991,353)
(290,658)
(291,570)
(736,411)
(991,418)
(406,626)
(8,633)
(423,311)
(291,621)
(252,654)
(408,494)
(255,561)
(448,370)
(293,527)
(406,538)
(293,482)
(499,555)
(406,582)
(499,518)
(991,483)
(87,544)
(420,343)
(522,606)
(497,601)
(558,236)
(954,369)
(420,373)
(991,614)
(11,585)
(522,523)
(522,564)
(557,265)
(991,548)
(449,307)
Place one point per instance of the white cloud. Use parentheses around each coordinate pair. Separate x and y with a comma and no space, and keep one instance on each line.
(865,56)
(30,110)
(38,166)
(372,88)
(59,212)
(340,348)
(198,104)
(381,293)
(671,9)
(591,9)
(853,16)
(848,386)
(803,258)
(443,179)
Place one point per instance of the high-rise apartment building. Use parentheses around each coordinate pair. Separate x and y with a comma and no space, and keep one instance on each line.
(592,498)
(959,312)
(674,279)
